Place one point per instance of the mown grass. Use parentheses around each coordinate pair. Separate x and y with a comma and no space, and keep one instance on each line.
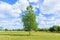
(22,35)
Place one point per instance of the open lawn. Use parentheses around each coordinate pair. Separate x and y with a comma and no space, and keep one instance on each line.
(21,35)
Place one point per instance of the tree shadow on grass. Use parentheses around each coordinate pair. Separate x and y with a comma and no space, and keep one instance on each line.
(16,34)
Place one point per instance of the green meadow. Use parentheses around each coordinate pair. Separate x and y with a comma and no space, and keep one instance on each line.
(22,35)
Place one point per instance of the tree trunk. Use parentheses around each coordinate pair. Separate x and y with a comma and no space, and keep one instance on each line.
(29,33)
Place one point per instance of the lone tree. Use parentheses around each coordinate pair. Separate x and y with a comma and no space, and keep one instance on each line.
(29,20)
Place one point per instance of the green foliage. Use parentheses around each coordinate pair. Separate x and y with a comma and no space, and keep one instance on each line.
(29,19)
(6,29)
(55,28)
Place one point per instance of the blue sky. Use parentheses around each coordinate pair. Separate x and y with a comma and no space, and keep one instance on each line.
(9,1)
(47,13)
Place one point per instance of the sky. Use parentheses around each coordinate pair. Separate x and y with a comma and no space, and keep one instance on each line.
(47,13)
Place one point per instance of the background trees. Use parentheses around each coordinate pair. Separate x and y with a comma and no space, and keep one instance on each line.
(29,20)
(55,28)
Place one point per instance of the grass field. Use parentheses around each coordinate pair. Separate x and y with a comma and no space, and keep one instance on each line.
(21,35)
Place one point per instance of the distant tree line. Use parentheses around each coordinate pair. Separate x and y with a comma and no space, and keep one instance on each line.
(54,28)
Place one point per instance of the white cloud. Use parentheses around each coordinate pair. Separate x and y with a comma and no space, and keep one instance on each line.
(51,6)
(12,24)
(6,8)
(9,14)
(21,4)
(33,1)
